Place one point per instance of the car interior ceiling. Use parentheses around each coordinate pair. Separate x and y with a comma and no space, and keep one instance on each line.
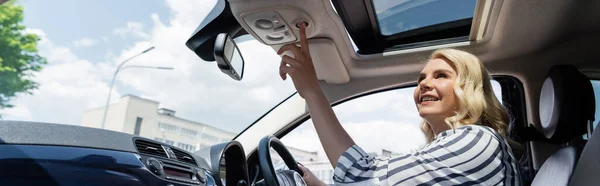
(522,39)
(542,53)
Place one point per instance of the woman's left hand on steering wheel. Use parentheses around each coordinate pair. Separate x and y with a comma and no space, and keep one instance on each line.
(309,177)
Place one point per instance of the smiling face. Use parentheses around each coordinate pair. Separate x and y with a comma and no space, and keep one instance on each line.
(434,96)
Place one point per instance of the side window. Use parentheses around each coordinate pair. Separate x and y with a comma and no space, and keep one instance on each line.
(383,124)
(596,85)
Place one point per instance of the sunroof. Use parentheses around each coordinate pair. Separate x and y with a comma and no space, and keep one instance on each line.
(397,16)
(376,26)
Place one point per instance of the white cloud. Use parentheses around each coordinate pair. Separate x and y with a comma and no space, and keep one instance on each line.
(134,28)
(187,12)
(17,113)
(68,86)
(195,88)
(262,93)
(84,42)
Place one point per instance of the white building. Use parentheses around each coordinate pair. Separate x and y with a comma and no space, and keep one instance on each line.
(300,155)
(142,117)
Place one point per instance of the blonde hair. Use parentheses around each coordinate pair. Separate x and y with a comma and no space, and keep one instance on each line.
(477,103)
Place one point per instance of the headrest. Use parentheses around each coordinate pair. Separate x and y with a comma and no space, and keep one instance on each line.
(566,103)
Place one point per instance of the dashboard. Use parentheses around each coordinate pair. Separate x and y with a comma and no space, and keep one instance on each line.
(33,153)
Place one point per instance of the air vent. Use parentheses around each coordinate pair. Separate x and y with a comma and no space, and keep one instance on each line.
(150,148)
(183,156)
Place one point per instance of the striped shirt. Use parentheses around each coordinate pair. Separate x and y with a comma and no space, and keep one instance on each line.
(468,155)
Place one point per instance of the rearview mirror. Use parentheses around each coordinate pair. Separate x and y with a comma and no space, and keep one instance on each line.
(228,57)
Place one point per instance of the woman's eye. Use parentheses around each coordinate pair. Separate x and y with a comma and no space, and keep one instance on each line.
(441,76)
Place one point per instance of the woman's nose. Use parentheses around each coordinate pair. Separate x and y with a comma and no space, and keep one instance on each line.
(425,84)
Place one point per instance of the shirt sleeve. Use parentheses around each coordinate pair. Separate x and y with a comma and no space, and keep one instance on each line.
(465,156)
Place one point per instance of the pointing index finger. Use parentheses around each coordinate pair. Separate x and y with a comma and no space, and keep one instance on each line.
(303,39)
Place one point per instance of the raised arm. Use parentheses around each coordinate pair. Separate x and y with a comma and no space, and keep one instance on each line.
(334,138)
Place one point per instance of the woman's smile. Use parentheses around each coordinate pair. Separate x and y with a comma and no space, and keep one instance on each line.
(436,83)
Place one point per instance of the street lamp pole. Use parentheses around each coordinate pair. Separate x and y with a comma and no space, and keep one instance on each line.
(112,82)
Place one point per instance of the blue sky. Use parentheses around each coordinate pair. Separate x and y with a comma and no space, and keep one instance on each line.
(69,20)
(401,15)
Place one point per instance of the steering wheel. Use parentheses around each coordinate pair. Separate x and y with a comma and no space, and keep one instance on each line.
(266,166)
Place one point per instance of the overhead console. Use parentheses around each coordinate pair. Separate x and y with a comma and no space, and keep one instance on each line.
(277,26)
(270,27)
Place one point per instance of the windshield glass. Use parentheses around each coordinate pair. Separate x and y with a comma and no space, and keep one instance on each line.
(165,93)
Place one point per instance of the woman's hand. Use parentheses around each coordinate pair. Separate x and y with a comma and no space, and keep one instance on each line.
(301,67)
(310,178)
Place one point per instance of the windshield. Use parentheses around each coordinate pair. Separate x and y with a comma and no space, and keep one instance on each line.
(163,92)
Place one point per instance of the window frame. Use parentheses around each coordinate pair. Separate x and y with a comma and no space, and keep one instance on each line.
(513,99)
(138,126)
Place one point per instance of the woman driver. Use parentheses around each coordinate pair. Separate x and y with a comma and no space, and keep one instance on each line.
(464,123)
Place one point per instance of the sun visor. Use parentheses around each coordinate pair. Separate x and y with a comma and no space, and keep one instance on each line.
(327,61)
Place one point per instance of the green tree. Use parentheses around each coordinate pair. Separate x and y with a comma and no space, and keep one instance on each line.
(19,58)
